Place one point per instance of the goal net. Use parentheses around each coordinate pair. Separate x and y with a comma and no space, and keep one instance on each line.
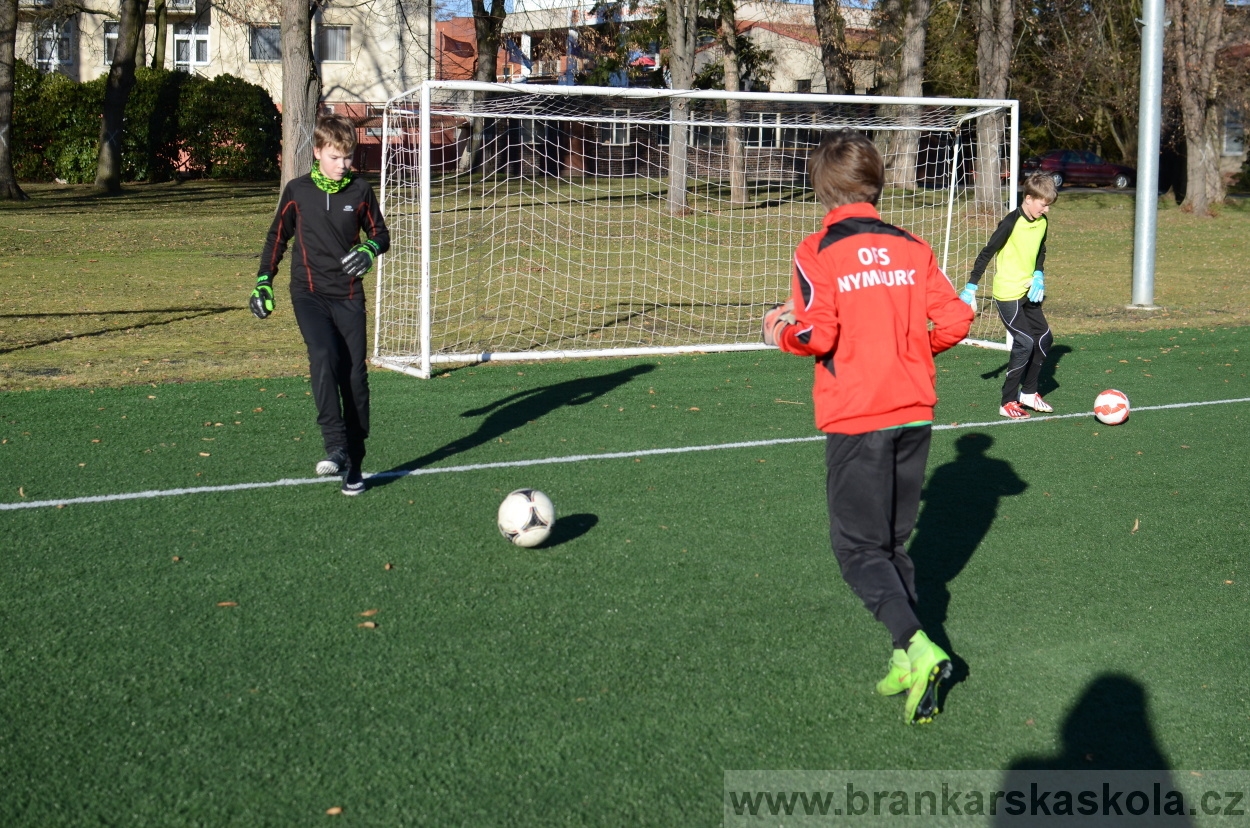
(532,222)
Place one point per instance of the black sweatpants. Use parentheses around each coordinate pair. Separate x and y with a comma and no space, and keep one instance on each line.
(334,331)
(1030,343)
(873,485)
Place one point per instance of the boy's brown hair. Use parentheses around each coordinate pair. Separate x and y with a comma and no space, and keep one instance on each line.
(845,169)
(335,131)
(1041,185)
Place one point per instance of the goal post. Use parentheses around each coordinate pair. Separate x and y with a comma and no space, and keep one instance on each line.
(538,222)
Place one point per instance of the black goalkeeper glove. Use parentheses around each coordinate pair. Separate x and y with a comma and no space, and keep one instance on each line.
(360,258)
(262,296)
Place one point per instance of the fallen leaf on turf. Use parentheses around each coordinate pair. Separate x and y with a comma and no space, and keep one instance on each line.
(388,566)
(1184,446)
(369,613)
(21,492)
(368,625)
(1228,582)
(205,454)
(788,402)
(692,409)
(176,559)
(1136,526)
(227,603)
(335,811)
(257,410)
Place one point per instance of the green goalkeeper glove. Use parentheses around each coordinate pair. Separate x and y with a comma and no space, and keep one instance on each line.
(262,296)
(1037,290)
(360,258)
(969,295)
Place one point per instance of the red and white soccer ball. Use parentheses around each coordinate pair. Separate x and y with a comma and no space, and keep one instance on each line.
(526,517)
(1111,407)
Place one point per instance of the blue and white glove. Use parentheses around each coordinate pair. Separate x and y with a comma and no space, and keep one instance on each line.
(1037,290)
(969,296)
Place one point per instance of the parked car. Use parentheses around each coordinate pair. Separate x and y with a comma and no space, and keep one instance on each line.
(1080,167)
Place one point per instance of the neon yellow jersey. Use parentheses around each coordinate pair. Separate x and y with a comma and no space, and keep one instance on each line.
(1020,245)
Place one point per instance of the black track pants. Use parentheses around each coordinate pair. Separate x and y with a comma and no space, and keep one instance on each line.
(873,485)
(1030,343)
(334,331)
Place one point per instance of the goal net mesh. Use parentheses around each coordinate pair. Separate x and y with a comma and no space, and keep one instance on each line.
(556,226)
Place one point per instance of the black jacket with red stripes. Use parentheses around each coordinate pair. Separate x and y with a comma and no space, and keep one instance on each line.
(324,227)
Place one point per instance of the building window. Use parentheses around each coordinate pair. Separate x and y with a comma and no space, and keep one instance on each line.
(616,132)
(190,45)
(1234,132)
(265,44)
(110,41)
(334,44)
(768,133)
(803,86)
(52,45)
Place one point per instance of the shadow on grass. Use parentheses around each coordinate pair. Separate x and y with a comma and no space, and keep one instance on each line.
(1107,730)
(53,198)
(183,315)
(512,412)
(568,528)
(1046,382)
(960,504)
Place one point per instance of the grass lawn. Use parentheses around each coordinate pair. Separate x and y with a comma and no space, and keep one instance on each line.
(201,658)
(151,286)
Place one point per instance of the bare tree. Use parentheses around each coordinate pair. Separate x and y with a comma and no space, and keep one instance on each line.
(904,69)
(733,107)
(1194,40)
(995,25)
(488,26)
(683,25)
(160,14)
(301,89)
(8,48)
(121,79)
(835,55)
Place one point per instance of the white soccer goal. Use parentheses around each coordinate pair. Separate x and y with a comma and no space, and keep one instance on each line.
(532,222)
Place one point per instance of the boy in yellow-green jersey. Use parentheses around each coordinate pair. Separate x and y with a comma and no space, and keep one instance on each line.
(1019,242)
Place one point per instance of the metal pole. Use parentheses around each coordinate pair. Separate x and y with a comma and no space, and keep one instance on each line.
(1149,126)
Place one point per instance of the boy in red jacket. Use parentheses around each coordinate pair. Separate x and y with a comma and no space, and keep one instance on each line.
(864,293)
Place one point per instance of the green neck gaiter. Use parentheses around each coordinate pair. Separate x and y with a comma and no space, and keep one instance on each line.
(327,184)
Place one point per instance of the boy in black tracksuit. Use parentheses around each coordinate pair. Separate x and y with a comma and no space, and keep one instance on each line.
(324,212)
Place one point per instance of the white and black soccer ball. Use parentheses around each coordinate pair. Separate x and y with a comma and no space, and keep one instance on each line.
(1111,407)
(526,517)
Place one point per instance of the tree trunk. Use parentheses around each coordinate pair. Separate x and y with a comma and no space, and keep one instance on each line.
(488,27)
(301,89)
(835,58)
(683,24)
(901,169)
(161,23)
(8,44)
(1194,37)
(121,79)
(733,108)
(995,25)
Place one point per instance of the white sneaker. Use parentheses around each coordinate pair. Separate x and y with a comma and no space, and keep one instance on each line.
(1035,402)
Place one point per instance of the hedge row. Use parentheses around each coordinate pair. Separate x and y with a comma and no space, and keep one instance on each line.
(176,124)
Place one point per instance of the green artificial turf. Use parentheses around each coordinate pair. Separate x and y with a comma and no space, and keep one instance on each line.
(199,659)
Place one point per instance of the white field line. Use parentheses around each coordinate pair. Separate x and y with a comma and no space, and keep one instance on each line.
(546,461)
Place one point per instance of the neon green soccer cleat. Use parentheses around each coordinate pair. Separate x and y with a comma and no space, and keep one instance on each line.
(930,665)
(899,677)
